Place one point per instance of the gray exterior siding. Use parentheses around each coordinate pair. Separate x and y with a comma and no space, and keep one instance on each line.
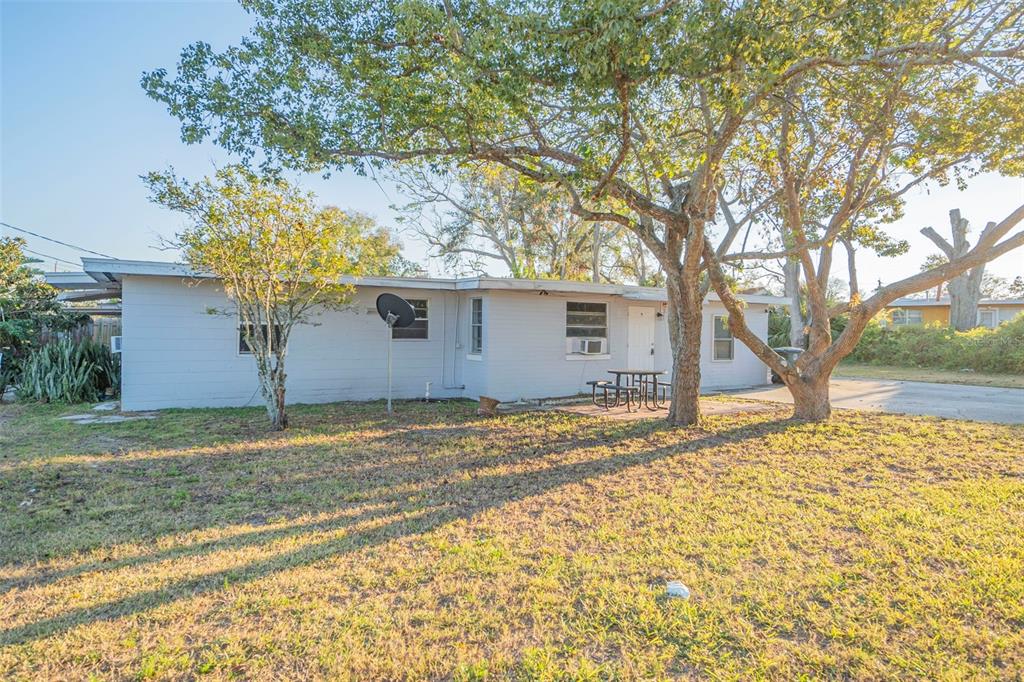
(176,354)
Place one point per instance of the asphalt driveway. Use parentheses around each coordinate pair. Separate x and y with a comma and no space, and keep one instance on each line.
(977,403)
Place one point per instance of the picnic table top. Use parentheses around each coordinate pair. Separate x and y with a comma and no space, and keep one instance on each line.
(637,371)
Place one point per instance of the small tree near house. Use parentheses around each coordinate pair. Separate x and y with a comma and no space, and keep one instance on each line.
(279,256)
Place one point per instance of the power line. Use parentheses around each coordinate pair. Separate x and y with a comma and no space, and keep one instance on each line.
(46,255)
(57,241)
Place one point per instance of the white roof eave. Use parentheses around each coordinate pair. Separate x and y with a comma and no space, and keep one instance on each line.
(108,270)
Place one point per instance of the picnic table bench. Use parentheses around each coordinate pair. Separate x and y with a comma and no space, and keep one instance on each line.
(641,385)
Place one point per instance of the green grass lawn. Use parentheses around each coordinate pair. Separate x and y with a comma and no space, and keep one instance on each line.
(939,376)
(531,546)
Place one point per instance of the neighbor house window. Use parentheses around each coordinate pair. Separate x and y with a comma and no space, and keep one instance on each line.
(904,318)
(723,344)
(476,325)
(586,320)
(246,331)
(418,329)
(987,318)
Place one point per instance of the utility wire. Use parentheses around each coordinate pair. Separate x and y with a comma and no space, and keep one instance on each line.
(46,255)
(57,241)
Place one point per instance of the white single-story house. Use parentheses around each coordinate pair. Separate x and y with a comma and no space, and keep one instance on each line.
(505,338)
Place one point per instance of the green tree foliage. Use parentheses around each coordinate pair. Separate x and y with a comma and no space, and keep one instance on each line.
(839,149)
(27,305)
(634,108)
(279,257)
(484,215)
(981,349)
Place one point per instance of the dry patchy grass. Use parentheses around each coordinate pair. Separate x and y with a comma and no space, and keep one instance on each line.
(930,374)
(531,546)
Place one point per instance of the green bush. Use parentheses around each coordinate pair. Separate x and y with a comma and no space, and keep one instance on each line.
(779,323)
(982,349)
(68,372)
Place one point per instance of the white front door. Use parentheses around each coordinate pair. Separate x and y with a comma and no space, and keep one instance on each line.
(640,339)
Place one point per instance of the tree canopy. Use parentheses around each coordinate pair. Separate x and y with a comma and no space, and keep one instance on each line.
(638,110)
(279,257)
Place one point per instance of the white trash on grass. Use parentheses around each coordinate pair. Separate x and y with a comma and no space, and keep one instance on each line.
(678,589)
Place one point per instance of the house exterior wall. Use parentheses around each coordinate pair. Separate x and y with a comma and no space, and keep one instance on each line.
(929,314)
(525,352)
(176,354)
(1007,312)
(939,314)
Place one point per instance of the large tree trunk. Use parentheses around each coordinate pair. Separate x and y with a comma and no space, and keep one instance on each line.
(797,323)
(964,289)
(810,397)
(964,296)
(685,317)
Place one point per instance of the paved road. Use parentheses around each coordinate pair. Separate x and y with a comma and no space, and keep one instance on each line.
(978,403)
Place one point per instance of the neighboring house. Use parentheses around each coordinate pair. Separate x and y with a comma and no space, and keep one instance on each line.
(505,338)
(992,312)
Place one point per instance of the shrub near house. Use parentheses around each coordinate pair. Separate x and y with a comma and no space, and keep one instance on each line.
(981,349)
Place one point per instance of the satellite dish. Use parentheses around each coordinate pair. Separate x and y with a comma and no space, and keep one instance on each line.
(395,310)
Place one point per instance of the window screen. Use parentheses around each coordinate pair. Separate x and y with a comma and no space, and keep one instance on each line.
(476,325)
(723,343)
(586,319)
(246,330)
(418,329)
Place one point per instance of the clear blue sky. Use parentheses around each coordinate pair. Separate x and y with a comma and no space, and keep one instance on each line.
(77,131)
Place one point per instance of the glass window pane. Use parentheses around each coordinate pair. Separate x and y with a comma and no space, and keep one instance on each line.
(586,319)
(576,332)
(593,319)
(723,350)
(247,330)
(722,327)
(419,328)
(577,307)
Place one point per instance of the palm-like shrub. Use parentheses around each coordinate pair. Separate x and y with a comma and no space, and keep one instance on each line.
(68,372)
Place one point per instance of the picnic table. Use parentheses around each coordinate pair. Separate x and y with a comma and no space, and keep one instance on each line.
(646,380)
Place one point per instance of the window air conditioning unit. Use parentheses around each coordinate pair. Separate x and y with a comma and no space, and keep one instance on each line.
(115,344)
(588,346)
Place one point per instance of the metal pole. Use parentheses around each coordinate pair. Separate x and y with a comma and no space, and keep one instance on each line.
(390,411)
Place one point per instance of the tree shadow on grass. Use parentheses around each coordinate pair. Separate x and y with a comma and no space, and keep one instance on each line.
(447,494)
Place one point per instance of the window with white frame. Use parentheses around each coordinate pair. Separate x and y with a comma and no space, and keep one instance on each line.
(247,331)
(987,318)
(905,318)
(586,320)
(419,328)
(722,344)
(476,325)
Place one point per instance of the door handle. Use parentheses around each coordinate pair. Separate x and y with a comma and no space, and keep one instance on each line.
(652,351)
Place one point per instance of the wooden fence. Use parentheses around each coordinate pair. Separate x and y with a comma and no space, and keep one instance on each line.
(98,328)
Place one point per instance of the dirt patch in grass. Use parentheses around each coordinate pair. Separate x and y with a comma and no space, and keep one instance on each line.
(440,545)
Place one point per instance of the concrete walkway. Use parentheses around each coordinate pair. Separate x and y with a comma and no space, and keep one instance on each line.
(977,403)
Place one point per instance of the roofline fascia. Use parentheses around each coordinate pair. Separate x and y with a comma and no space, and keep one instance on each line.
(106,270)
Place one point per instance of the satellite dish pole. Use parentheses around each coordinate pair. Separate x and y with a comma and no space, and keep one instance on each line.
(390,321)
(396,312)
